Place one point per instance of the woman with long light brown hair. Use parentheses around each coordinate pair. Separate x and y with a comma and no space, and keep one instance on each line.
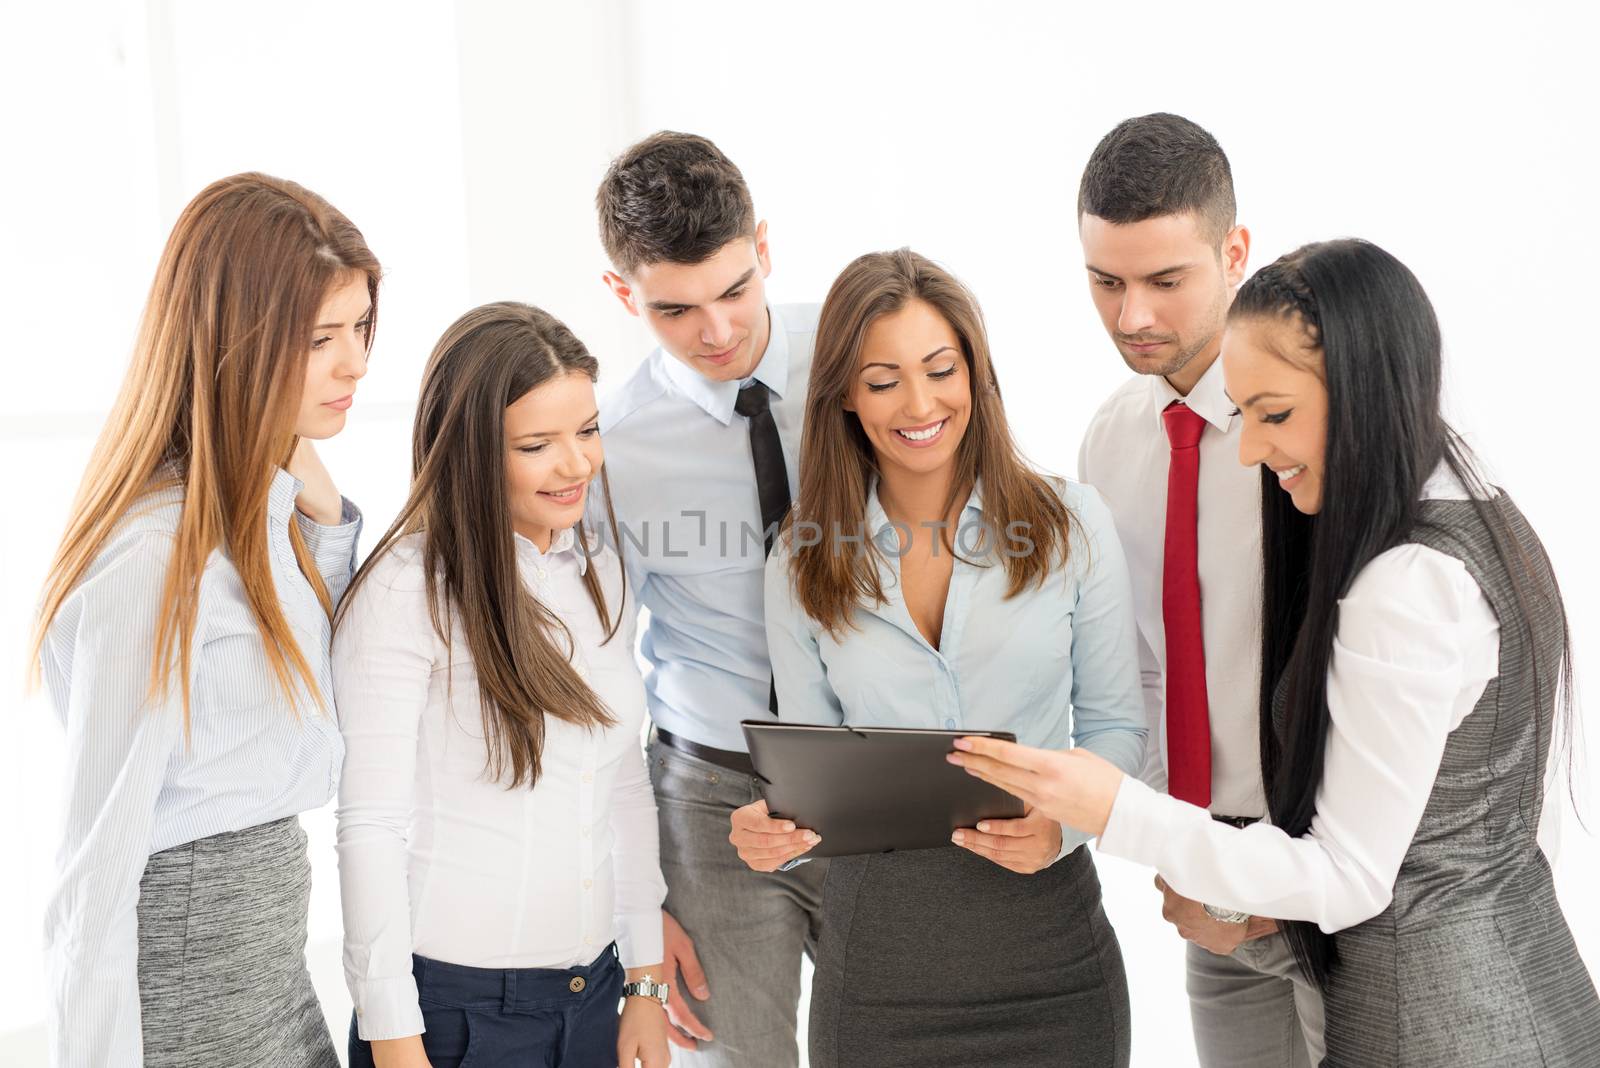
(497,829)
(183,637)
(930,578)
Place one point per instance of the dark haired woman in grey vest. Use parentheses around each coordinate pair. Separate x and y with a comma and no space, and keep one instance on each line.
(1415,671)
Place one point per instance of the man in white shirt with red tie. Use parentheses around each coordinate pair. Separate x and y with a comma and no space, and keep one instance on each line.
(1164,255)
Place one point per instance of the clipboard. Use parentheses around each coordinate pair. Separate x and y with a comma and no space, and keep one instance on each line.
(872,789)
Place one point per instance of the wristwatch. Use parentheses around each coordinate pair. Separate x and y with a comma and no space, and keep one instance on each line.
(647,988)
(1226,915)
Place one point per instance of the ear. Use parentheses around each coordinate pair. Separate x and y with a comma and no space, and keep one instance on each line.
(763,250)
(624,292)
(1235,255)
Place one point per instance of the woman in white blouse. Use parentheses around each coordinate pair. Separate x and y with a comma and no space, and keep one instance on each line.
(496,826)
(183,637)
(1415,667)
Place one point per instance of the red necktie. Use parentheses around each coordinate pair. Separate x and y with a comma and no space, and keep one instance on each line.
(1188,712)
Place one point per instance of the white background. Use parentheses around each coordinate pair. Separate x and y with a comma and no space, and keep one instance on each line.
(466,141)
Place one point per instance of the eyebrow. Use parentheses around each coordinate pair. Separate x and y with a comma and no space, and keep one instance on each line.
(667,305)
(340,326)
(553,433)
(925,359)
(1177,268)
(1253,401)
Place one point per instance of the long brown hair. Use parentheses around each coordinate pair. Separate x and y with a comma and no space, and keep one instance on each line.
(209,405)
(833,576)
(488,359)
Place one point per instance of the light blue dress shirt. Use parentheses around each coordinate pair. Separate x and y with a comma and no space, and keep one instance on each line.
(134,785)
(1057,665)
(684,488)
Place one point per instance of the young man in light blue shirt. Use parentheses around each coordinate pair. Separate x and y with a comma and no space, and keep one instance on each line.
(702,445)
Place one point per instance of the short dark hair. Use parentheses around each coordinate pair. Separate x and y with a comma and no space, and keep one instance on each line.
(673,198)
(1159,165)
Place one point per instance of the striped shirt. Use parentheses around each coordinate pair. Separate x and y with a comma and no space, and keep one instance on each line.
(134,786)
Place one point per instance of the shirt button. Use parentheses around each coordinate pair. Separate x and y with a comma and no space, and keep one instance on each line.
(588,776)
(588,884)
(950,724)
(585,832)
(577,984)
(543,573)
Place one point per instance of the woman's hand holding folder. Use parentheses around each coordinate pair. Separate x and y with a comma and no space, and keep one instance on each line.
(767,844)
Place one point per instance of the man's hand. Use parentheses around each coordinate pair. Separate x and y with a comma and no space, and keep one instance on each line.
(1190,918)
(683,971)
(1023,846)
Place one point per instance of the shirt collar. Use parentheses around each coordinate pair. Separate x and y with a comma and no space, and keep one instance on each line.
(281,497)
(563,541)
(717,399)
(877,519)
(1207,398)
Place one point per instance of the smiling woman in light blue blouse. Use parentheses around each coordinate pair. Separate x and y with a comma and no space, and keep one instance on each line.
(929,578)
(183,638)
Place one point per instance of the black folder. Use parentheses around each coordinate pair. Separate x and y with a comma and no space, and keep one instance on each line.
(871,789)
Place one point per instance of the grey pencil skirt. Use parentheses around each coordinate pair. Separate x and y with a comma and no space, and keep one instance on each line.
(222,965)
(938,957)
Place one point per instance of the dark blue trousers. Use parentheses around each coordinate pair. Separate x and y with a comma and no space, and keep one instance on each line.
(549,1017)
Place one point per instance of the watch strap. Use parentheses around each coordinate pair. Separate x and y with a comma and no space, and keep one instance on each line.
(646,988)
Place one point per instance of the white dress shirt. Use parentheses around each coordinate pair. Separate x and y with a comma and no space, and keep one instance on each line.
(684,488)
(1416,644)
(134,784)
(1125,455)
(438,859)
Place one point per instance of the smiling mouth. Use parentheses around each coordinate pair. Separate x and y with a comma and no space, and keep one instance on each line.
(566,496)
(921,435)
(1289,472)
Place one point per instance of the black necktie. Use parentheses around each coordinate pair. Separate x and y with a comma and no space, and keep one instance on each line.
(772,475)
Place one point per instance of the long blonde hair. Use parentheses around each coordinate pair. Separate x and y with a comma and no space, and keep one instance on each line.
(209,405)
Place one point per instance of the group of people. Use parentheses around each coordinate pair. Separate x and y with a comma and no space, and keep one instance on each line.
(1283,642)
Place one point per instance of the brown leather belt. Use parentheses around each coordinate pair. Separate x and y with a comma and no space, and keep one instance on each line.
(722,758)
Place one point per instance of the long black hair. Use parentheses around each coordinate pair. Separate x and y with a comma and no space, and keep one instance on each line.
(1386,434)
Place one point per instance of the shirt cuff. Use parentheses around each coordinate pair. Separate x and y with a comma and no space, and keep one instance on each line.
(639,939)
(1070,839)
(1138,827)
(387,1008)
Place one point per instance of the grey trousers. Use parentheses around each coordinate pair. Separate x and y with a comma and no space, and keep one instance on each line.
(1254,1009)
(222,954)
(749,928)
